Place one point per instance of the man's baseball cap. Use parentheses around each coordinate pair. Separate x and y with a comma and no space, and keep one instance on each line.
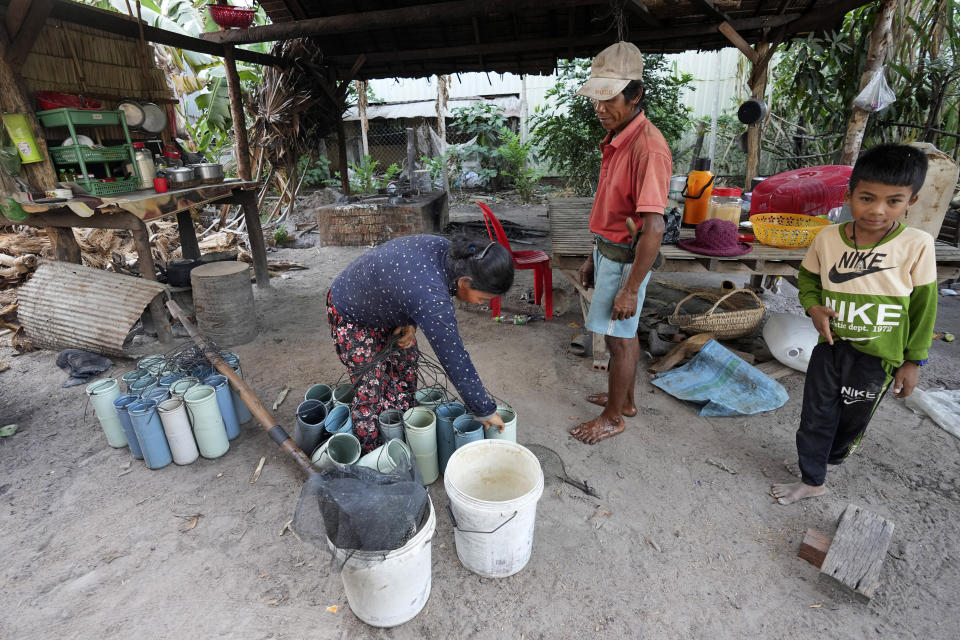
(612,70)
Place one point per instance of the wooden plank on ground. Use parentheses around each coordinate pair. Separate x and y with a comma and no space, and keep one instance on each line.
(814,547)
(857,552)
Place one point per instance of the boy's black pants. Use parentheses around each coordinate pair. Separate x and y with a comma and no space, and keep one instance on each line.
(843,389)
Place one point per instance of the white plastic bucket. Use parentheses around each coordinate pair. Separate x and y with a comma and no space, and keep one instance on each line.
(493,486)
(388,589)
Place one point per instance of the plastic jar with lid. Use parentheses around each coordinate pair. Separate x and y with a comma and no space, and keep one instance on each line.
(148,171)
(725,204)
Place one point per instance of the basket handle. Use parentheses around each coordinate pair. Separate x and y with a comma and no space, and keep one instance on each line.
(714,307)
(676,309)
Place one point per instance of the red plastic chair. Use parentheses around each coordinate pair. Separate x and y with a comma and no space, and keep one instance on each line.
(536,260)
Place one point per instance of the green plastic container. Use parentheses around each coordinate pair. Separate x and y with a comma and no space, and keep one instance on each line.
(208,427)
(18,126)
(83,117)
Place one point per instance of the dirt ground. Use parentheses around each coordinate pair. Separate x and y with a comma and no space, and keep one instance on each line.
(675,547)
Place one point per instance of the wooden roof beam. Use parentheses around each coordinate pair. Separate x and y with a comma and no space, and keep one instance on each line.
(711,10)
(76,13)
(638,8)
(25,19)
(386,19)
(551,44)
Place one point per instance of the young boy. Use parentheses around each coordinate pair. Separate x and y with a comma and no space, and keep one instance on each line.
(870,287)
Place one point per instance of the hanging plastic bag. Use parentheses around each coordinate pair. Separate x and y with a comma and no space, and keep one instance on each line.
(877,95)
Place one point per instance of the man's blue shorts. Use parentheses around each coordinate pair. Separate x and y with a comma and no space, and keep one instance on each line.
(608,278)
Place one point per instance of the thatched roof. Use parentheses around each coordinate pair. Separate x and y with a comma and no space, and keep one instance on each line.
(423,37)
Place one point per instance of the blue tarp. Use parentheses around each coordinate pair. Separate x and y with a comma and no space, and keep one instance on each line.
(723,384)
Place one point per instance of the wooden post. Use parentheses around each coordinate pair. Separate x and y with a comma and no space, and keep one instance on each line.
(880,40)
(411,159)
(189,247)
(64,244)
(241,147)
(758,86)
(13,99)
(141,240)
(342,144)
(362,112)
(443,82)
(258,247)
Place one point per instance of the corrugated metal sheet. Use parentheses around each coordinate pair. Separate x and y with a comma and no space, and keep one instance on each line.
(570,226)
(69,306)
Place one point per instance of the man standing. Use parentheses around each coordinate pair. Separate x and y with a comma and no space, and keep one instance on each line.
(634,180)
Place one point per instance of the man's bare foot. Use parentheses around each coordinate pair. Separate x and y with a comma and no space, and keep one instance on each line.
(601,400)
(597,429)
(794,467)
(790,493)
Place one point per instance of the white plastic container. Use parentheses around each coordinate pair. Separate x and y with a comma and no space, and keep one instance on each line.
(102,393)
(338,449)
(145,165)
(386,590)
(420,427)
(176,426)
(509,416)
(493,486)
(387,457)
(791,339)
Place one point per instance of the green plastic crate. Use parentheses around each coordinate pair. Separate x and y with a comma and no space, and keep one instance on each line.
(69,155)
(59,117)
(122,185)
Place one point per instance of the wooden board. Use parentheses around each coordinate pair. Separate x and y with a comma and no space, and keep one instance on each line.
(814,547)
(857,552)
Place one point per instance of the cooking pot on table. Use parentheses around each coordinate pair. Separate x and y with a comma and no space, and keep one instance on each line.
(181,177)
(208,172)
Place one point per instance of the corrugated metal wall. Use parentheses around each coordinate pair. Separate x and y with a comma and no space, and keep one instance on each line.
(707,67)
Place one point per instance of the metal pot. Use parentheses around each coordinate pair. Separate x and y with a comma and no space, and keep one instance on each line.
(181,177)
(208,172)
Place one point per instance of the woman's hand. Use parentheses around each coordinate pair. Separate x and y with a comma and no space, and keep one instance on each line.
(495,421)
(407,336)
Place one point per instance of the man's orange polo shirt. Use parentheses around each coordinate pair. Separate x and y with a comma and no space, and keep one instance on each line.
(634,178)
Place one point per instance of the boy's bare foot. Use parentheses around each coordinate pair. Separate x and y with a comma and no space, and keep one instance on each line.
(597,429)
(601,400)
(790,493)
(794,467)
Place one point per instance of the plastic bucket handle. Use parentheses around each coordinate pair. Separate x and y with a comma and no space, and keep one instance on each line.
(500,526)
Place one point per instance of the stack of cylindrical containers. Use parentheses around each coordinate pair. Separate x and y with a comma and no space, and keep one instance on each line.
(169,415)
(430,431)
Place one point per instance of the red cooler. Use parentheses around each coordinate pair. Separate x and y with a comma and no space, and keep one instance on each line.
(812,191)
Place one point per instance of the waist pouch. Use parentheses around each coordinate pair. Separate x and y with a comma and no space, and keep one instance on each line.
(610,251)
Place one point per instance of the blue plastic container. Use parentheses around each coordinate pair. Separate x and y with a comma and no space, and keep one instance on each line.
(243,413)
(121,404)
(169,379)
(311,418)
(225,401)
(157,394)
(467,429)
(339,419)
(150,435)
(446,444)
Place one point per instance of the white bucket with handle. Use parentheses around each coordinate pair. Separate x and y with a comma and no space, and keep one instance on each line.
(388,588)
(493,487)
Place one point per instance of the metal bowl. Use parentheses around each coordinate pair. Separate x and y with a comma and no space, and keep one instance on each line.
(208,172)
(181,177)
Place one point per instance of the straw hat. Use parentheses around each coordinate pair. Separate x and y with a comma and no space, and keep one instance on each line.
(715,237)
(612,70)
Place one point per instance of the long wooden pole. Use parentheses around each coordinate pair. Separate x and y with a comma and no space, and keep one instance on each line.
(758,87)
(273,429)
(880,39)
(241,147)
(441,12)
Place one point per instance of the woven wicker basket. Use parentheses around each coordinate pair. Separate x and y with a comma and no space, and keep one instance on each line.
(724,325)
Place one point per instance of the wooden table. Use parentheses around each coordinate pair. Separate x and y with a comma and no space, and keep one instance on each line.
(132,211)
